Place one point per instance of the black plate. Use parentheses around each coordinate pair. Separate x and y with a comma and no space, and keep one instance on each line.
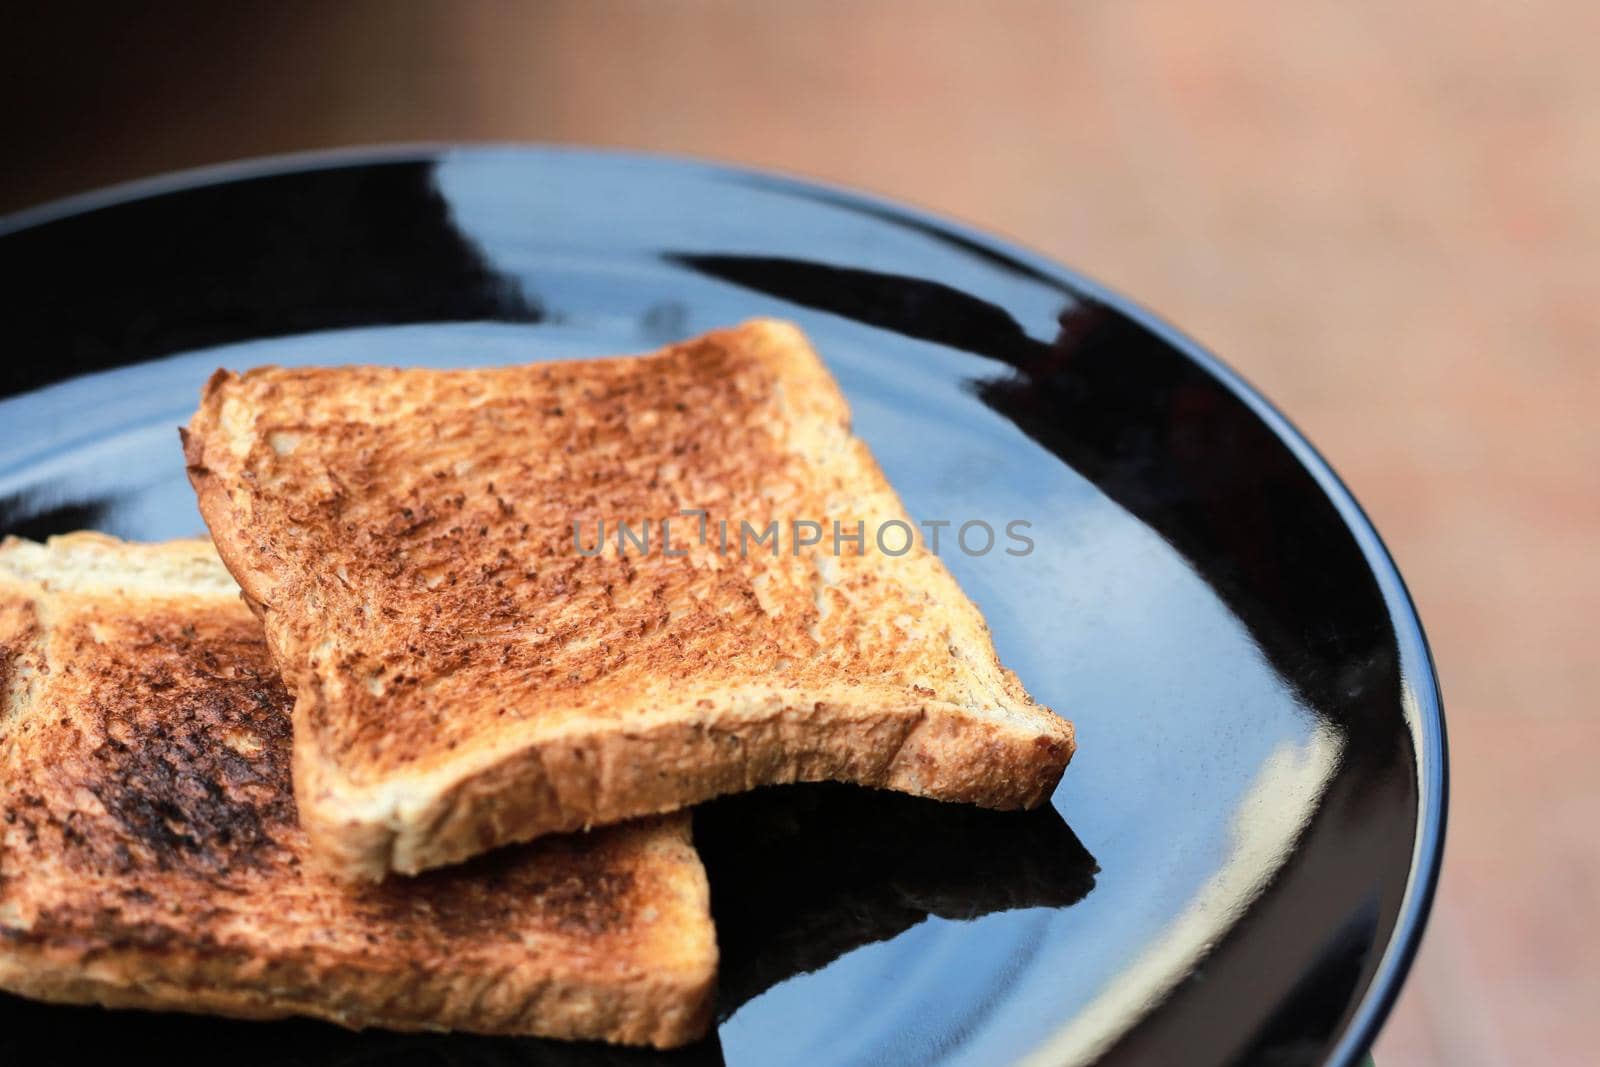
(1257,807)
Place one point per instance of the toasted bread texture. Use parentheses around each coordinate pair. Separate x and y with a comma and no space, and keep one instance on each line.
(150,857)
(467,673)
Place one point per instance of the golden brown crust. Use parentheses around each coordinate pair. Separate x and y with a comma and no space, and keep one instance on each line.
(464,675)
(150,856)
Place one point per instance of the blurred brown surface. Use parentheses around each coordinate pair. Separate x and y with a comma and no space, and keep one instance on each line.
(1387,216)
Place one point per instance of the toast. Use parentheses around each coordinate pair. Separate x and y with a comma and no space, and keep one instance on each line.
(472,665)
(150,857)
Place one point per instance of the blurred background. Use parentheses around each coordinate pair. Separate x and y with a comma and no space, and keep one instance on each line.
(1387,216)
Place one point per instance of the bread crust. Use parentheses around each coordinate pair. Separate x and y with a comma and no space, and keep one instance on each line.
(150,857)
(465,677)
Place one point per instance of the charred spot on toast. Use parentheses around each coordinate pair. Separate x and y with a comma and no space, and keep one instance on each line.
(177,757)
(150,853)
(164,750)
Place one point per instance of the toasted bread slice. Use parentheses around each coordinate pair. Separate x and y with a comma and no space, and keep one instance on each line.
(149,855)
(466,674)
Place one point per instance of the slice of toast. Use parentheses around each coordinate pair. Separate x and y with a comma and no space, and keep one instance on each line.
(467,673)
(150,858)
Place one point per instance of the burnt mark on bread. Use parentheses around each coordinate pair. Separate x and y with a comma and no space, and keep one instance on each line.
(181,737)
(149,842)
(158,777)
